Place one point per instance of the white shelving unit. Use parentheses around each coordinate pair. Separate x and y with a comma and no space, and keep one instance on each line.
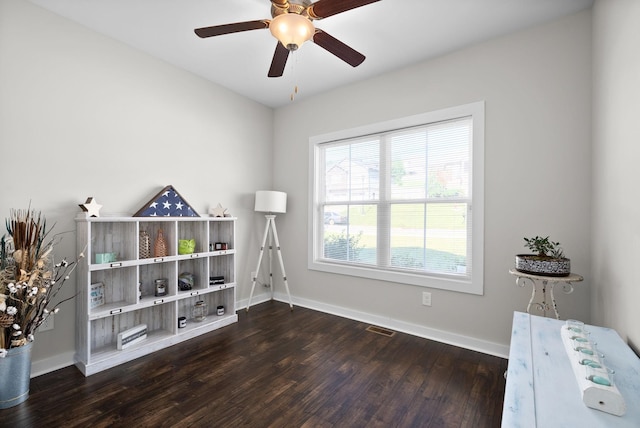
(128,293)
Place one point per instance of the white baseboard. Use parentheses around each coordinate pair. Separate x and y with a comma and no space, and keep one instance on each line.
(467,342)
(256,300)
(66,359)
(46,365)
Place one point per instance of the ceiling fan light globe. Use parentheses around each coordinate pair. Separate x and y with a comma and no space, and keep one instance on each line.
(291,29)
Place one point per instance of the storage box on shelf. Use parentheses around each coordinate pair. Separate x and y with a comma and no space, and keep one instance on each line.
(122,293)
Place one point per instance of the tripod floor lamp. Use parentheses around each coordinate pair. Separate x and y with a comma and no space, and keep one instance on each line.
(270,202)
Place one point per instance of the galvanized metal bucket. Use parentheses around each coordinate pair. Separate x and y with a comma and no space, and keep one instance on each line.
(15,375)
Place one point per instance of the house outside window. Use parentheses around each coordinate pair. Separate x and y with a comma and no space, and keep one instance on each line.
(402,200)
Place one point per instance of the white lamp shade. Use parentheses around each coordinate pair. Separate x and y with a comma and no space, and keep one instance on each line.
(270,201)
(292,30)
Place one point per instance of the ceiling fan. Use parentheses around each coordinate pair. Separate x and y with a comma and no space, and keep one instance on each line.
(291,25)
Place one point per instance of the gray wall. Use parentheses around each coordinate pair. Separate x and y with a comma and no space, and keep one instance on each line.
(616,152)
(83,115)
(537,89)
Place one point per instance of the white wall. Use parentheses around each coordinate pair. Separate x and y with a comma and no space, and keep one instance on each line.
(616,152)
(537,89)
(83,115)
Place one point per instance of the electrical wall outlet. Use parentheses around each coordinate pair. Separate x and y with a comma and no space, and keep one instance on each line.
(426,298)
(47,324)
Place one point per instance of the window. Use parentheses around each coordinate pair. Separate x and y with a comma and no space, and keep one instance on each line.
(402,200)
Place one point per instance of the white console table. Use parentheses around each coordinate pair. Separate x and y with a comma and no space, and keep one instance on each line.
(545,283)
(541,389)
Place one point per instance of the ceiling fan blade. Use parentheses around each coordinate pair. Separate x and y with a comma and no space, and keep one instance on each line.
(218,30)
(324,8)
(279,61)
(339,49)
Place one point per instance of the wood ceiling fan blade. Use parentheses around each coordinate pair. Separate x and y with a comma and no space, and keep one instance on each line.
(218,30)
(339,49)
(324,8)
(279,61)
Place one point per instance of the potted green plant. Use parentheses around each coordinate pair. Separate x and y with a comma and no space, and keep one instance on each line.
(548,258)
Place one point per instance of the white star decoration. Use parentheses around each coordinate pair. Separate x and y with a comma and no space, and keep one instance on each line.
(217,211)
(91,207)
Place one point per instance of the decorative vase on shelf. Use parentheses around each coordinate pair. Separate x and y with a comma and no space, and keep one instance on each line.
(200,310)
(15,374)
(160,247)
(145,245)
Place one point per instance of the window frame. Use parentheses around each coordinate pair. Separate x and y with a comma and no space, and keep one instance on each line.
(472,285)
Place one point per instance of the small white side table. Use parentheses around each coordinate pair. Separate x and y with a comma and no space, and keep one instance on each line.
(545,283)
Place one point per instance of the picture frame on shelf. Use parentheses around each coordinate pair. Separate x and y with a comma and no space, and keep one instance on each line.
(96,295)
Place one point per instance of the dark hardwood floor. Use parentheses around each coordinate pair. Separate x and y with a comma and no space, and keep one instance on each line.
(278,368)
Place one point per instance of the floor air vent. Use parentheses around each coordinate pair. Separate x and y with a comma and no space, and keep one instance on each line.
(380,330)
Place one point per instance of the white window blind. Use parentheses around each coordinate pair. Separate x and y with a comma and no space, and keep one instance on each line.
(398,204)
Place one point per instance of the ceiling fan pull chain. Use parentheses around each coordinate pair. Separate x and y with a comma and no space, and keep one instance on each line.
(294,66)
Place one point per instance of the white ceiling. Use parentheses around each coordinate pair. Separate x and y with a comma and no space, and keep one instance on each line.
(391,33)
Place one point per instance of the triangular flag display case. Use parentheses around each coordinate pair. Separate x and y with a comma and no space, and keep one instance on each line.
(167,203)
